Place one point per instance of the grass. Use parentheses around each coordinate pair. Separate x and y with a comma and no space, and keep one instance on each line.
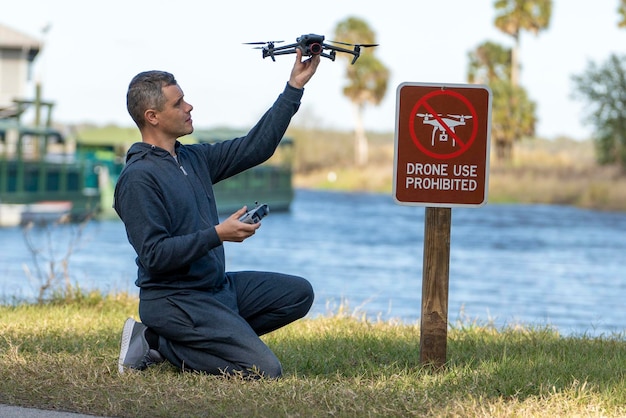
(62,355)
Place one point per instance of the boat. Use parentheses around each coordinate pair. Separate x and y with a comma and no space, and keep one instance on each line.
(41,178)
(269,183)
(44,177)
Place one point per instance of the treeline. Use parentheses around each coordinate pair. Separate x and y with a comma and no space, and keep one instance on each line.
(557,171)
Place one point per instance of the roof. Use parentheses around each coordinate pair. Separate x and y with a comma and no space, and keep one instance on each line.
(12,39)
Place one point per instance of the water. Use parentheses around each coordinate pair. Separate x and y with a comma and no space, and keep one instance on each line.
(509,264)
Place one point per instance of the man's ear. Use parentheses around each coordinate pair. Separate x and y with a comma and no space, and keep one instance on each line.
(151,117)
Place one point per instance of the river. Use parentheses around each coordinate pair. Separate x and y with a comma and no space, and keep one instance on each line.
(533,265)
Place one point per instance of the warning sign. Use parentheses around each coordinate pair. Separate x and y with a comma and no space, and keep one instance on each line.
(442,144)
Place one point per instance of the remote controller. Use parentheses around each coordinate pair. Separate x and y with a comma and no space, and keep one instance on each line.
(255,215)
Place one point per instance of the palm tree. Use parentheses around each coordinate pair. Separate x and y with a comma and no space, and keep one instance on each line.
(513,16)
(513,117)
(367,78)
(513,113)
(489,62)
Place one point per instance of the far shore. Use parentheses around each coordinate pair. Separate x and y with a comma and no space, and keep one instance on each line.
(559,172)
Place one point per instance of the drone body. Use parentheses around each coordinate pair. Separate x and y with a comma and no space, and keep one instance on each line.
(310,44)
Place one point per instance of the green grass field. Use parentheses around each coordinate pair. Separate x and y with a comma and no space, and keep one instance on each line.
(62,355)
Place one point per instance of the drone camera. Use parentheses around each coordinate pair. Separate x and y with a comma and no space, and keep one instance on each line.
(315,49)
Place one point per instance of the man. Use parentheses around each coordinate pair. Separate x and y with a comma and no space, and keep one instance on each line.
(193,313)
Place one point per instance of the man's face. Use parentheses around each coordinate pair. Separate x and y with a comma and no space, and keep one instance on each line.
(175,117)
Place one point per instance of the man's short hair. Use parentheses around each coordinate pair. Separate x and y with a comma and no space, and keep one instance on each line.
(145,92)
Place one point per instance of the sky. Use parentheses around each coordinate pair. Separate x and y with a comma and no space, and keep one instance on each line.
(93,49)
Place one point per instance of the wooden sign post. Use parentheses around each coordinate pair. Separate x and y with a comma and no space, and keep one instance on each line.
(441,161)
(435,279)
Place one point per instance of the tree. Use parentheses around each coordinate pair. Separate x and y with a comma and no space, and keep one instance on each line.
(513,16)
(513,113)
(512,117)
(621,10)
(603,87)
(489,62)
(51,262)
(367,78)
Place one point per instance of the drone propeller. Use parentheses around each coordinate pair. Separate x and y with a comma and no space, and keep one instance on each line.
(268,47)
(262,43)
(359,45)
(461,116)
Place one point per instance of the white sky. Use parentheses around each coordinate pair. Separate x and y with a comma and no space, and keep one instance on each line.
(94,48)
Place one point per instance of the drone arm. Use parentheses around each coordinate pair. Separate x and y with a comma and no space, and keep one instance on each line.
(285,51)
(293,51)
(271,51)
(338,48)
(356,51)
(284,47)
(331,56)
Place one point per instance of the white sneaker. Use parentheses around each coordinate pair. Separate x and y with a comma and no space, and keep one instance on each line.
(135,353)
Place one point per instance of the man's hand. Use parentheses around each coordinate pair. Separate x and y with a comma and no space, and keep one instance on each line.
(302,71)
(232,229)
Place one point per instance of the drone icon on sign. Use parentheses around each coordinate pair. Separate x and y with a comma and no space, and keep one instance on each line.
(450,122)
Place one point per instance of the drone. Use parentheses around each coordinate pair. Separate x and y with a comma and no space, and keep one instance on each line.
(450,121)
(310,44)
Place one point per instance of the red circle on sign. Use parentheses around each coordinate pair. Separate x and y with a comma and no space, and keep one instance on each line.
(423,102)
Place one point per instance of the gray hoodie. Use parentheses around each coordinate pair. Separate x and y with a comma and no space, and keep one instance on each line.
(168,207)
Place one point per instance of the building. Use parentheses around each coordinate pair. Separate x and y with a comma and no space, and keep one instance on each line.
(17,53)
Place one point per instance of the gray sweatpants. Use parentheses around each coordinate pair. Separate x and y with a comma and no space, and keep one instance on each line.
(218,332)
